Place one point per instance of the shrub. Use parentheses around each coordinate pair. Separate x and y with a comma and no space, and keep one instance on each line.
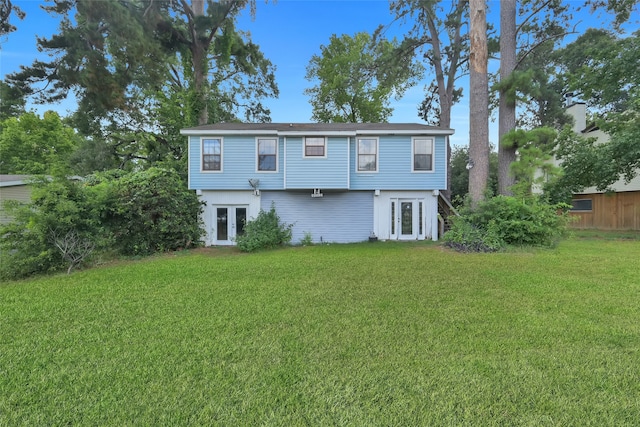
(466,237)
(503,220)
(33,242)
(153,211)
(264,232)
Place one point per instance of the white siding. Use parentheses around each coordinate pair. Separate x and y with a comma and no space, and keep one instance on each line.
(226,198)
(382,209)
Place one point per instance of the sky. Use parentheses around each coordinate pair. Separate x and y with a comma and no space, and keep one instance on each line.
(289,33)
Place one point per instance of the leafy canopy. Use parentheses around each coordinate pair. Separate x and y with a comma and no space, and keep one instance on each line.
(355,79)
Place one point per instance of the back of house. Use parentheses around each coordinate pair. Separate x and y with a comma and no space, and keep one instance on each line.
(335,182)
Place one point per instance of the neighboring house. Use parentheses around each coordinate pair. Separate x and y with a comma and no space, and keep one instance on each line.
(615,210)
(338,182)
(13,187)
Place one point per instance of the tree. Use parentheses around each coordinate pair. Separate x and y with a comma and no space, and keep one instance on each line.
(526,68)
(478,103)
(355,79)
(542,23)
(6,9)
(12,101)
(603,69)
(33,145)
(460,174)
(438,37)
(125,60)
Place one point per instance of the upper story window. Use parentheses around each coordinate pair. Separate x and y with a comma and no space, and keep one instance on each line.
(367,154)
(315,147)
(267,154)
(422,154)
(212,154)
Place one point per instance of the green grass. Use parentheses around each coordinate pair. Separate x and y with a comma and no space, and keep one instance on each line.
(368,334)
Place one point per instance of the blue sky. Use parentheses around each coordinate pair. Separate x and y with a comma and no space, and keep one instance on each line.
(289,32)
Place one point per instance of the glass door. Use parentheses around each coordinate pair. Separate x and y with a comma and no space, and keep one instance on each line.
(230,222)
(408,220)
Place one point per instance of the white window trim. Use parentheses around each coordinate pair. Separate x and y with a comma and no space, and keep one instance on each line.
(304,147)
(377,139)
(277,154)
(433,154)
(202,169)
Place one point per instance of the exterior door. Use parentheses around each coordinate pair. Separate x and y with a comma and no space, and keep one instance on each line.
(406,219)
(229,223)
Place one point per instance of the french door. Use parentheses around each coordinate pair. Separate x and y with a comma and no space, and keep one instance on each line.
(407,221)
(229,223)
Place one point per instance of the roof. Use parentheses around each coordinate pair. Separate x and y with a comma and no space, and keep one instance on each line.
(13,180)
(346,129)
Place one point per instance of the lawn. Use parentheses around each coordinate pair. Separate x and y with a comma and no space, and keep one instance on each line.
(369,334)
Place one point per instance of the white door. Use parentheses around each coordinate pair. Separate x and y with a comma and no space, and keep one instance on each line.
(228,223)
(407,219)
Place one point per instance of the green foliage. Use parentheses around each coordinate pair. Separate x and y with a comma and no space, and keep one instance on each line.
(460,174)
(307,240)
(32,145)
(122,213)
(533,166)
(11,101)
(467,237)
(60,208)
(153,211)
(356,77)
(264,232)
(504,220)
(602,68)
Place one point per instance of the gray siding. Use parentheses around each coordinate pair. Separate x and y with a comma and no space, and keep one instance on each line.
(337,217)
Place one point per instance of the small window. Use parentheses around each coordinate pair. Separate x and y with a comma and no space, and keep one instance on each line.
(582,205)
(422,154)
(314,147)
(267,154)
(367,154)
(212,154)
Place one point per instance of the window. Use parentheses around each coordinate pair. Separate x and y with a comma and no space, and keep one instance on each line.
(422,154)
(582,205)
(314,147)
(212,154)
(367,154)
(267,154)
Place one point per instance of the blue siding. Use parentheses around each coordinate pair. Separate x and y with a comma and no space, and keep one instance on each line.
(336,217)
(238,165)
(331,172)
(395,164)
(336,171)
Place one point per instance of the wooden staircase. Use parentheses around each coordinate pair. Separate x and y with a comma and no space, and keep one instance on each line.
(445,212)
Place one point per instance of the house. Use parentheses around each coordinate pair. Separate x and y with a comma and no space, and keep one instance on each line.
(13,187)
(618,209)
(335,182)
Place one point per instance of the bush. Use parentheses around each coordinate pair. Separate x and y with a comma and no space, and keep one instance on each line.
(137,213)
(153,211)
(503,220)
(38,239)
(264,232)
(466,237)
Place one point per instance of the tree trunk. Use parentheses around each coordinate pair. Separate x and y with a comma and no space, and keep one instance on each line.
(198,58)
(479,102)
(507,107)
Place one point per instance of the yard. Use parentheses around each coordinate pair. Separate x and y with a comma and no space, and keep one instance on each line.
(367,334)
